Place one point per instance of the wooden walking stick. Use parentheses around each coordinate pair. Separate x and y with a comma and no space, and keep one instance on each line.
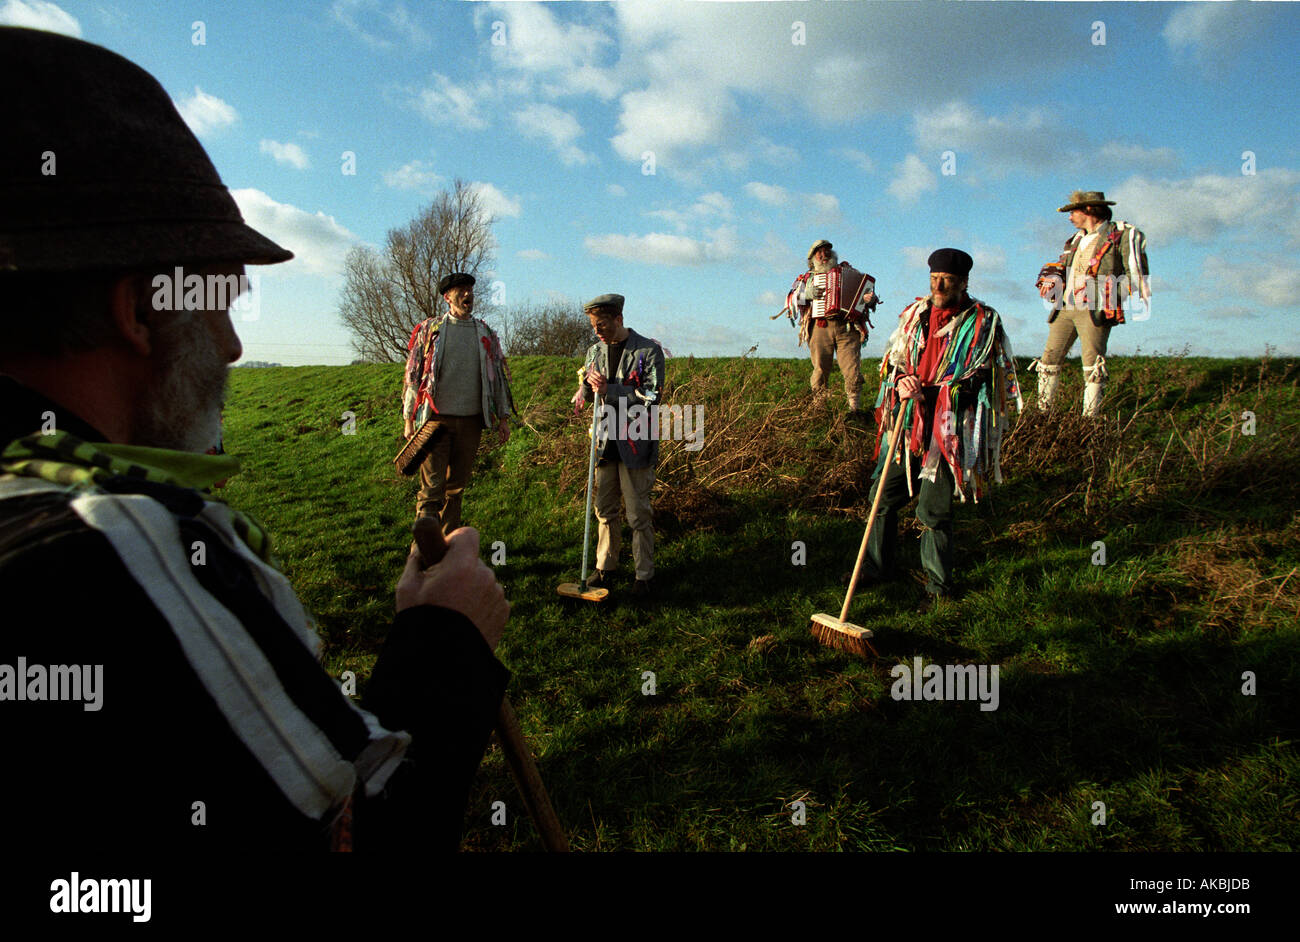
(432,547)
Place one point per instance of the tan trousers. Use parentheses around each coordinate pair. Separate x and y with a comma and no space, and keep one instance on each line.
(836,341)
(1060,337)
(635,485)
(445,472)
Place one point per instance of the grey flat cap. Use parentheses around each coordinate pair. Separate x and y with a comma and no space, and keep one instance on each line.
(614,301)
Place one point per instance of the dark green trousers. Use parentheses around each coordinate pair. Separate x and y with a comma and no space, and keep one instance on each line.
(933,509)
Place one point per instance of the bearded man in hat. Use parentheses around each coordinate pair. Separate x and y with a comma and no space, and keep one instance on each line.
(948,371)
(1101,264)
(457,377)
(159,675)
(836,335)
(624,373)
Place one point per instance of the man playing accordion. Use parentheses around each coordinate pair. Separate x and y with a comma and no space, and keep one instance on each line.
(833,302)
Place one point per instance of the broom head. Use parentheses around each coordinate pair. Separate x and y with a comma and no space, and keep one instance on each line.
(834,633)
(574,590)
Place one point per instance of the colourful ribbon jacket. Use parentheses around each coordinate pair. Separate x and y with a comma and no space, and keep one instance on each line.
(976,376)
(424,363)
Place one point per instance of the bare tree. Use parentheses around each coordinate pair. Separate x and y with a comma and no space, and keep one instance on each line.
(554,328)
(385,294)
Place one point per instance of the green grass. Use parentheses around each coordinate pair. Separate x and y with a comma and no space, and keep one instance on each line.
(1120,683)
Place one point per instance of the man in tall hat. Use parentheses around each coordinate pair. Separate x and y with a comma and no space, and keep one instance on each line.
(456,376)
(1101,265)
(834,333)
(158,674)
(949,372)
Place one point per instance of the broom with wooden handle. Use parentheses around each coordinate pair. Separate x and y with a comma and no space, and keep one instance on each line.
(836,632)
(432,546)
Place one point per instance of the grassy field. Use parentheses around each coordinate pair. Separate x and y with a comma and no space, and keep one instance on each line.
(1120,683)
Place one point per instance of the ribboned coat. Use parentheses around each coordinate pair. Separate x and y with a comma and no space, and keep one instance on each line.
(637,380)
(1114,265)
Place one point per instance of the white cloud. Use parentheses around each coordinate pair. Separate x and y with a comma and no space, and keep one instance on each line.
(662,248)
(445,102)
(1200,27)
(767,193)
(532,255)
(769,299)
(858,158)
(1128,156)
(613,189)
(563,55)
(666,122)
(496,202)
(1273,281)
(1025,138)
(558,128)
(709,208)
(823,209)
(368,20)
(911,179)
(290,154)
(38,14)
(317,241)
(1199,208)
(416,175)
(205,113)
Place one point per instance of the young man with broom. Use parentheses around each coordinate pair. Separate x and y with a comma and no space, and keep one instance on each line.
(624,373)
(948,368)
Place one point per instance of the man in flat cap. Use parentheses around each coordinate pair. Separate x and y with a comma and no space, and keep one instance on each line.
(949,370)
(832,303)
(456,376)
(1101,264)
(158,675)
(623,372)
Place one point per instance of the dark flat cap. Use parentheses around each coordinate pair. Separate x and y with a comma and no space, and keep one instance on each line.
(951,262)
(98,171)
(614,301)
(454,280)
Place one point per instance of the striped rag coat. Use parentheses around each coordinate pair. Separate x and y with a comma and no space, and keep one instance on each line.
(1117,270)
(424,361)
(976,380)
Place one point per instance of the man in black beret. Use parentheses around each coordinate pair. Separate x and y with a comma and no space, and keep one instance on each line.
(158,676)
(457,377)
(949,371)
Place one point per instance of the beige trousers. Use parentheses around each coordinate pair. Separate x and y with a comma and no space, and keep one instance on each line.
(445,472)
(634,485)
(839,342)
(1070,323)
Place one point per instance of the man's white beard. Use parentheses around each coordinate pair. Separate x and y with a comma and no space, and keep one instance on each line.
(818,268)
(183,410)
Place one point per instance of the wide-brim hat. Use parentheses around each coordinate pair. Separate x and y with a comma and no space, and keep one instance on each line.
(817,245)
(1082,198)
(98,171)
(454,280)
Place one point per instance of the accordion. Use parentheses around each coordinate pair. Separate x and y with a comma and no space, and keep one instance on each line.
(417,448)
(843,288)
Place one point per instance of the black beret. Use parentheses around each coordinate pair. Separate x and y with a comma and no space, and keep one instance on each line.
(951,262)
(454,280)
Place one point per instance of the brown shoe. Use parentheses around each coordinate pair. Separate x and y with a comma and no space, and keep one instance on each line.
(600,579)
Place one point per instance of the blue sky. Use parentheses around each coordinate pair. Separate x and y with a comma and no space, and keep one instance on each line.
(769,125)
